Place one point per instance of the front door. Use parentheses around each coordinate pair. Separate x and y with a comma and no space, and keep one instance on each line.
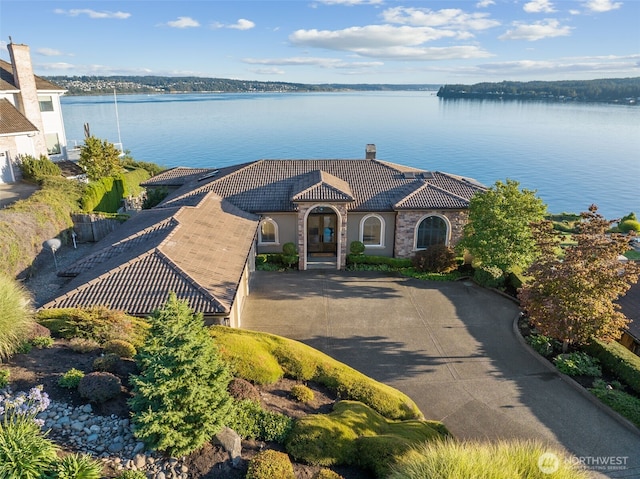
(322,232)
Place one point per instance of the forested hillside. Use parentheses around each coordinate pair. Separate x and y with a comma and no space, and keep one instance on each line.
(614,90)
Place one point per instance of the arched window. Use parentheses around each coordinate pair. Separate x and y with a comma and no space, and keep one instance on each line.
(268,232)
(431,230)
(372,231)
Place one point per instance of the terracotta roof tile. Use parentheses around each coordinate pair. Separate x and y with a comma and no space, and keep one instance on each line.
(319,185)
(7,82)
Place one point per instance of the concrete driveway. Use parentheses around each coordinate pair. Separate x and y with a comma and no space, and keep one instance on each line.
(451,347)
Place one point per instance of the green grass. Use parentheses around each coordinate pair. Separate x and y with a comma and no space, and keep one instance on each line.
(16,316)
(264,358)
(355,434)
(451,459)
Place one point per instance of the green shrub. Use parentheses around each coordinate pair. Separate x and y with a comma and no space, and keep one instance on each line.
(623,403)
(391,263)
(99,386)
(332,439)
(108,363)
(83,345)
(154,197)
(42,342)
(357,247)
(542,344)
(131,474)
(241,389)
(24,347)
(327,474)
(578,364)
(619,360)
(270,464)
(260,358)
(4,378)
(489,276)
(495,460)
(180,397)
(76,466)
(289,254)
(302,393)
(435,259)
(36,169)
(16,316)
(120,347)
(71,379)
(98,323)
(629,225)
(249,420)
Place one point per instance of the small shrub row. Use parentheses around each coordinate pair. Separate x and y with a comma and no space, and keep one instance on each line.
(578,364)
(620,401)
(618,360)
(363,259)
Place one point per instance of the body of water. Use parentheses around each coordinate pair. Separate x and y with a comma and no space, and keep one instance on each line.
(572,154)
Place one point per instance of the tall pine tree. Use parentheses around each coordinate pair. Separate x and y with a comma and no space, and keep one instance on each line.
(180,396)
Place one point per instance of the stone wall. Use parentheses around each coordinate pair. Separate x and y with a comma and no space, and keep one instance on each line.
(406,222)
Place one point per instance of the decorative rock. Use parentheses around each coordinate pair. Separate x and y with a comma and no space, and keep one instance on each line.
(87,408)
(231,442)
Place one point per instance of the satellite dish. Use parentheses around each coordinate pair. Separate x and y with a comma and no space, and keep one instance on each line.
(53,244)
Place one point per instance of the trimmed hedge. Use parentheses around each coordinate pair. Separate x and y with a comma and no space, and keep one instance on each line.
(396,263)
(106,194)
(264,358)
(619,360)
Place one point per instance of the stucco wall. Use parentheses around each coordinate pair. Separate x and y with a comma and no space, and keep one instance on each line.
(287,231)
(353,232)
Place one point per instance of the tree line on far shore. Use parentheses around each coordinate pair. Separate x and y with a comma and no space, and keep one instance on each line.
(613,90)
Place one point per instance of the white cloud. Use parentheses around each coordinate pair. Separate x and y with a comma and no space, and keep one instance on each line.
(184,22)
(537,31)
(92,13)
(241,24)
(267,71)
(539,6)
(447,17)
(602,5)
(49,52)
(59,66)
(485,3)
(612,64)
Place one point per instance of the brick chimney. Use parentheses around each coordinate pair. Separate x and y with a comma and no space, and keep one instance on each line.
(27,100)
(370,152)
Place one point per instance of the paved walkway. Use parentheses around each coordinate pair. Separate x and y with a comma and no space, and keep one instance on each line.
(450,346)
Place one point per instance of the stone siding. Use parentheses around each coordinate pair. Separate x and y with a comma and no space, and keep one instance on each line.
(406,222)
(303,208)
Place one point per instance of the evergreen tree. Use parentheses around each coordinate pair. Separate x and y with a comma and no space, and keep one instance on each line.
(99,158)
(180,396)
(572,297)
(498,233)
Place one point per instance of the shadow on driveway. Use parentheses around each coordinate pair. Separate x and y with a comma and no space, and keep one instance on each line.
(450,346)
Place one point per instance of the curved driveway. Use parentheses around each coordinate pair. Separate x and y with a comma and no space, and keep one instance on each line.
(450,346)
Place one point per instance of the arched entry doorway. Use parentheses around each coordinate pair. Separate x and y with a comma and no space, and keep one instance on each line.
(322,232)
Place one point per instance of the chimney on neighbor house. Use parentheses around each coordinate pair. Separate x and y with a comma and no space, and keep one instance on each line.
(25,81)
(370,152)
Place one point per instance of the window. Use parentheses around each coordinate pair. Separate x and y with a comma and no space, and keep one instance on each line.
(53,145)
(268,232)
(431,230)
(46,103)
(372,231)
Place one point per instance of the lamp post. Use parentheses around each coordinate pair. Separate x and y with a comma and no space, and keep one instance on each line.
(53,244)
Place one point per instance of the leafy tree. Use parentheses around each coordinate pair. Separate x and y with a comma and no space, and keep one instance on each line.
(180,396)
(498,233)
(572,297)
(99,158)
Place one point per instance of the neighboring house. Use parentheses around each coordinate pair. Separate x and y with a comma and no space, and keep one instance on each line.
(201,241)
(30,114)
(630,304)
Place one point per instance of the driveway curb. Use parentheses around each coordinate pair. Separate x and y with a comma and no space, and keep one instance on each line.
(574,384)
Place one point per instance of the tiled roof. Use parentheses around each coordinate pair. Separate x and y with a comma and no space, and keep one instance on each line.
(12,121)
(197,252)
(321,186)
(7,81)
(274,185)
(432,195)
(176,176)
(69,168)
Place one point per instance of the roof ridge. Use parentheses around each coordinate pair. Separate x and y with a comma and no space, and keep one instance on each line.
(450,193)
(462,179)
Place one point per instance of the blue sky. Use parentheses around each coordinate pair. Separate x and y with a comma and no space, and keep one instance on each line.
(337,41)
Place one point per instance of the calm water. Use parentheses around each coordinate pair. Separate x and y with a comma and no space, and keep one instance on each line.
(572,154)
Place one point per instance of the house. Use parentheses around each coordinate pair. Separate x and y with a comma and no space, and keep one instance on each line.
(30,114)
(630,307)
(200,242)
